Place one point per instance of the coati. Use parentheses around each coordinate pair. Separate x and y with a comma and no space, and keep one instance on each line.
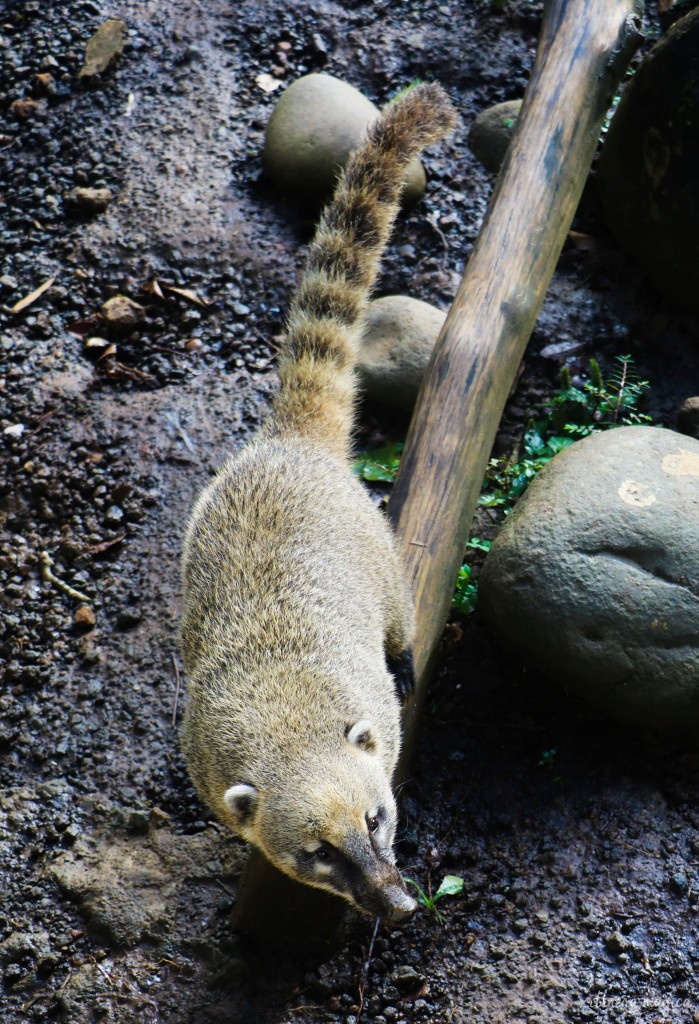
(298,622)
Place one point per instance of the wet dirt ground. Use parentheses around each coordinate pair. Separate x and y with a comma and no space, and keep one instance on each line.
(578,840)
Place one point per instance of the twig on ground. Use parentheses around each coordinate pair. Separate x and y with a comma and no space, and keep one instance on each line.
(50,577)
(102,971)
(365,972)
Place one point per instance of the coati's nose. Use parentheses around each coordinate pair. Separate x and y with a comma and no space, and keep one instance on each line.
(399,905)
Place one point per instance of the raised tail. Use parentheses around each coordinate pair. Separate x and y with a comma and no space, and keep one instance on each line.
(316,366)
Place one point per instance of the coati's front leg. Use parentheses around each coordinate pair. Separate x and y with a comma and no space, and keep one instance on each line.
(402,669)
(400,629)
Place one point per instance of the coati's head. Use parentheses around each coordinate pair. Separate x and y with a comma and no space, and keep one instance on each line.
(330,823)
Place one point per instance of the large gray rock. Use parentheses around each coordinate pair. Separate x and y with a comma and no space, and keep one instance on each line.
(396,347)
(491,132)
(648,170)
(314,127)
(594,578)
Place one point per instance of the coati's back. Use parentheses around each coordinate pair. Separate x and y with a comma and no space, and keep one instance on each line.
(298,623)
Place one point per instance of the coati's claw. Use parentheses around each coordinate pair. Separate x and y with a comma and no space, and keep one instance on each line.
(402,669)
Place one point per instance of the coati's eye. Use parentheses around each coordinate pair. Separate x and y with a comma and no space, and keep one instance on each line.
(374,819)
(321,852)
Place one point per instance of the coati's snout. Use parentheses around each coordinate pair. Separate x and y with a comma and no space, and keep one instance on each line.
(383,894)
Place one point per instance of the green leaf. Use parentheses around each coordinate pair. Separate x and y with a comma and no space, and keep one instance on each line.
(451,885)
(380,465)
(422,896)
(478,544)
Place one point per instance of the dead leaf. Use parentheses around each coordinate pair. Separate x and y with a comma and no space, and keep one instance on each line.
(105,545)
(579,240)
(33,296)
(267,82)
(154,288)
(187,293)
(104,48)
(81,328)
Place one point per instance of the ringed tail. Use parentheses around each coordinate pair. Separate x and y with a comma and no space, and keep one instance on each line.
(326,318)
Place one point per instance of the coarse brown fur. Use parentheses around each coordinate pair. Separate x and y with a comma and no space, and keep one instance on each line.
(297,615)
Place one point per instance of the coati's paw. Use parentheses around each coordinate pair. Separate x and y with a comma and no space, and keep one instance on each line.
(403,671)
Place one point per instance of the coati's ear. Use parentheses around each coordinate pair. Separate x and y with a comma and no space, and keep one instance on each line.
(363,735)
(241,800)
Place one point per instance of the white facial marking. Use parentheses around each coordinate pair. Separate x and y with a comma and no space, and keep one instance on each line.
(241,799)
(362,734)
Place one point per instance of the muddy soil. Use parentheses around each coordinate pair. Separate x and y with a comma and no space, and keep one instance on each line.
(578,840)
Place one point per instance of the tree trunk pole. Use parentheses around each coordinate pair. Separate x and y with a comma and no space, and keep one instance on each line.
(583,51)
(584,48)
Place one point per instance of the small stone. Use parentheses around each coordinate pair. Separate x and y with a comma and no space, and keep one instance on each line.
(398,339)
(314,127)
(520,925)
(122,314)
(24,108)
(88,200)
(115,515)
(84,617)
(127,618)
(15,430)
(492,131)
(616,943)
(406,979)
(104,48)
(44,81)
(679,885)
(688,417)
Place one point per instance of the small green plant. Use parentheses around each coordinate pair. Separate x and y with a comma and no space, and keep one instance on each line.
(572,412)
(547,759)
(466,592)
(451,885)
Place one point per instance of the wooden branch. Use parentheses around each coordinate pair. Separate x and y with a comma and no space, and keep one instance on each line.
(584,48)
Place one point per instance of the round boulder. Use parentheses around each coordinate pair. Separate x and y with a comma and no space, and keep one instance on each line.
(314,127)
(397,343)
(492,131)
(594,578)
(688,417)
(648,167)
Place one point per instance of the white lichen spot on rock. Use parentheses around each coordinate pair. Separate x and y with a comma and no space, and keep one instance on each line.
(681,463)
(637,494)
